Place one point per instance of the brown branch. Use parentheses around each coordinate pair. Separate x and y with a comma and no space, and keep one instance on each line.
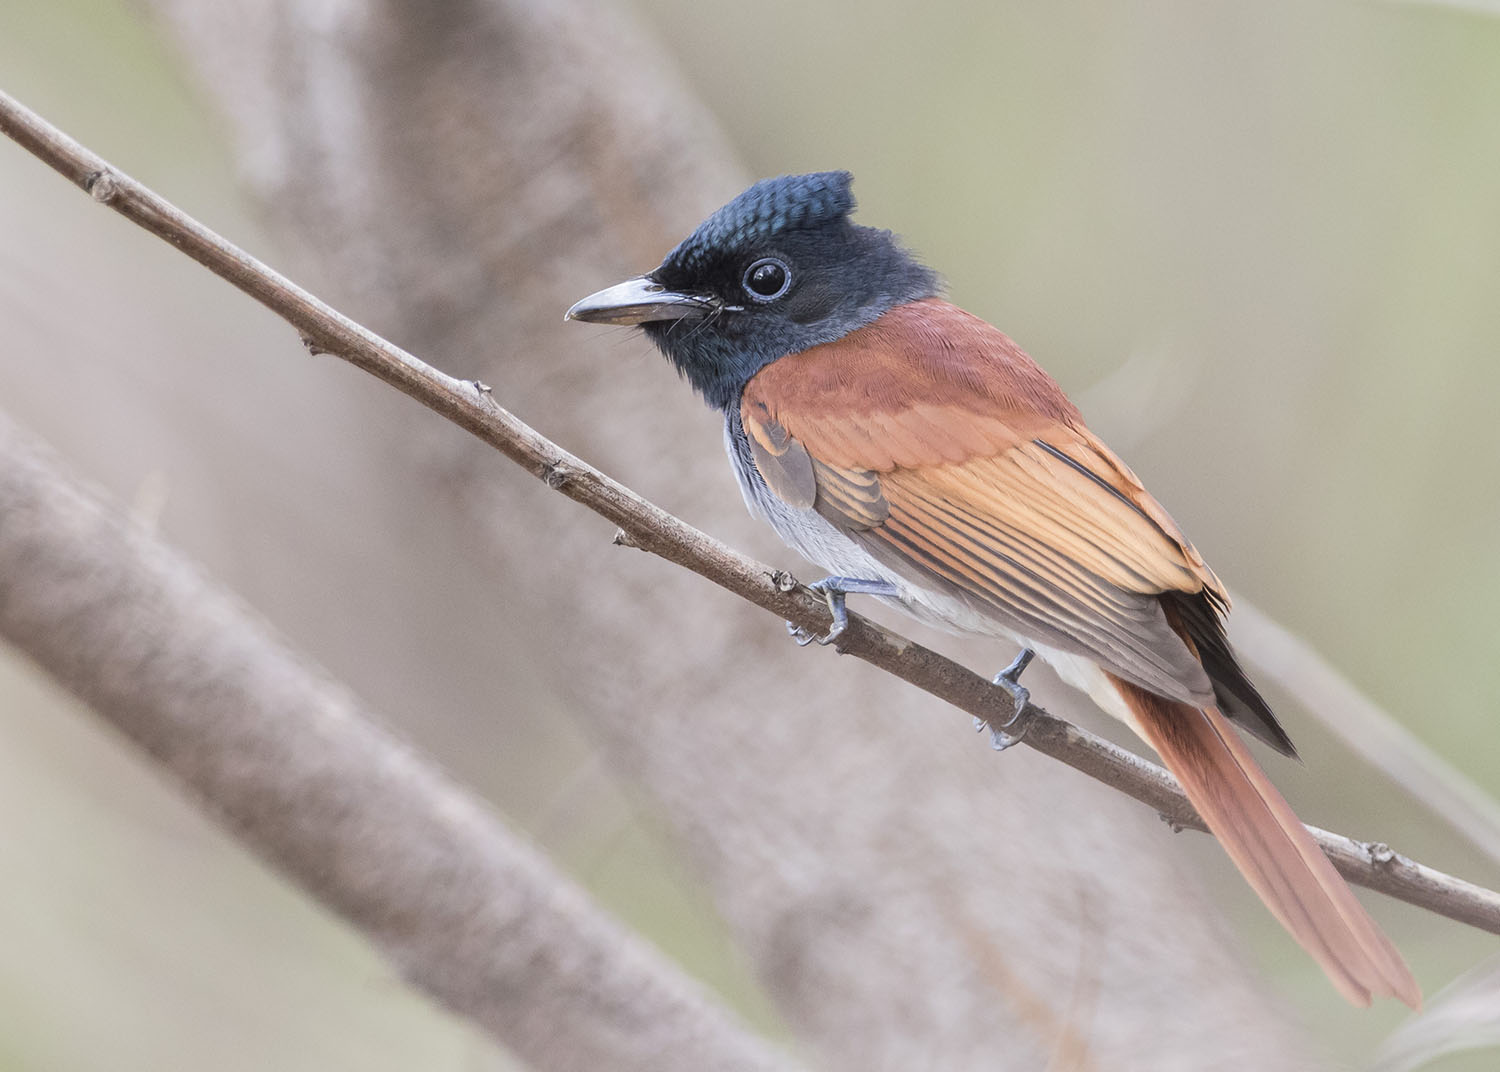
(469,405)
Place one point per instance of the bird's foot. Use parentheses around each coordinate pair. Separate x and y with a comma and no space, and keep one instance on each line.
(1009,679)
(834,589)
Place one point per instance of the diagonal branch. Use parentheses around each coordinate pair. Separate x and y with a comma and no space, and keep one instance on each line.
(469,405)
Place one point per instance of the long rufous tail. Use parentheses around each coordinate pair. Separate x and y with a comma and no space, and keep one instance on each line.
(1272,849)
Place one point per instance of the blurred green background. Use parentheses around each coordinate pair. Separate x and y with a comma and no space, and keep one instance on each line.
(1260,244)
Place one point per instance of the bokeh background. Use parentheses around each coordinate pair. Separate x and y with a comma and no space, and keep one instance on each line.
(1260,243)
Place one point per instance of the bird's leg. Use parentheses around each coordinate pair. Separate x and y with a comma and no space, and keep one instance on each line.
(834,589)
(1009,679)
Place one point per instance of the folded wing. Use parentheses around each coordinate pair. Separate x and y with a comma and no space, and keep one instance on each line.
(935,442)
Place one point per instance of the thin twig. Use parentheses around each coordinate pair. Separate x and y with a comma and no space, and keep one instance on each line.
(324,329)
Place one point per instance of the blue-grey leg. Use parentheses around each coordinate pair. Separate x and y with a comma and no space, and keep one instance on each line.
(1009,679)
(834,589)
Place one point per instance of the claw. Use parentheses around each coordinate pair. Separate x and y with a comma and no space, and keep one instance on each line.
(835,598)
(1012,730)
(1004,736)
(804,637)
(833,590)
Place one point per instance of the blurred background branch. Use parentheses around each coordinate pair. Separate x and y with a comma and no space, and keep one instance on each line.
(288,760)
(1463,1016)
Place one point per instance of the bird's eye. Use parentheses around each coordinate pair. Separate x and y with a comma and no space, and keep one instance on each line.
(767,279)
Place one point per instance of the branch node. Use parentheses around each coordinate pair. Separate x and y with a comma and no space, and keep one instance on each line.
(556,476)
(312,346)
(783,580)
(623,539)
(101,186)
(1172,821)
(480,386)
(1381,854)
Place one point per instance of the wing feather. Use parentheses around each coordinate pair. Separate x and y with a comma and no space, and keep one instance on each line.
(784,464)
(1051,599)
(850,498)
(941,448)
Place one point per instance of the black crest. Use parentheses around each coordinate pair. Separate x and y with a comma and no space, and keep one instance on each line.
(769,208)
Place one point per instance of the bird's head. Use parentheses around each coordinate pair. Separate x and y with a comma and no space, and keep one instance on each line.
(777,270)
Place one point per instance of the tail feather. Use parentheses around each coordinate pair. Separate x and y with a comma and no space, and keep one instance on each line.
(1271,847)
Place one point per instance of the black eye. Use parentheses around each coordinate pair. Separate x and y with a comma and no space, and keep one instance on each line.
(767,279)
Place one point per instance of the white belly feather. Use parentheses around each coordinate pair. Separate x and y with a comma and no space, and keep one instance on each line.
(813,537)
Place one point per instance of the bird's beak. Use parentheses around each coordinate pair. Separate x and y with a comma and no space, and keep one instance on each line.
(639,301)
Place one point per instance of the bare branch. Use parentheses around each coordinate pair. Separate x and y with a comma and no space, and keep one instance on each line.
(472,408)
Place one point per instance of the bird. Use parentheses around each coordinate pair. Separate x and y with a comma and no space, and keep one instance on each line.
(921,457)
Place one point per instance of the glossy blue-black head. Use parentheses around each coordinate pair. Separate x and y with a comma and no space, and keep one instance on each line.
(777,270)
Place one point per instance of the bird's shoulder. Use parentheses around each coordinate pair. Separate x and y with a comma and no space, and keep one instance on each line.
(925,383)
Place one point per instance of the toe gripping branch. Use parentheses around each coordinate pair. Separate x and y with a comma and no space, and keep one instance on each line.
(1009,679)
(834,589)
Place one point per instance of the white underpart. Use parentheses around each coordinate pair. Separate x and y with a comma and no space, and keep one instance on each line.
(1088,677)
(816,539)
